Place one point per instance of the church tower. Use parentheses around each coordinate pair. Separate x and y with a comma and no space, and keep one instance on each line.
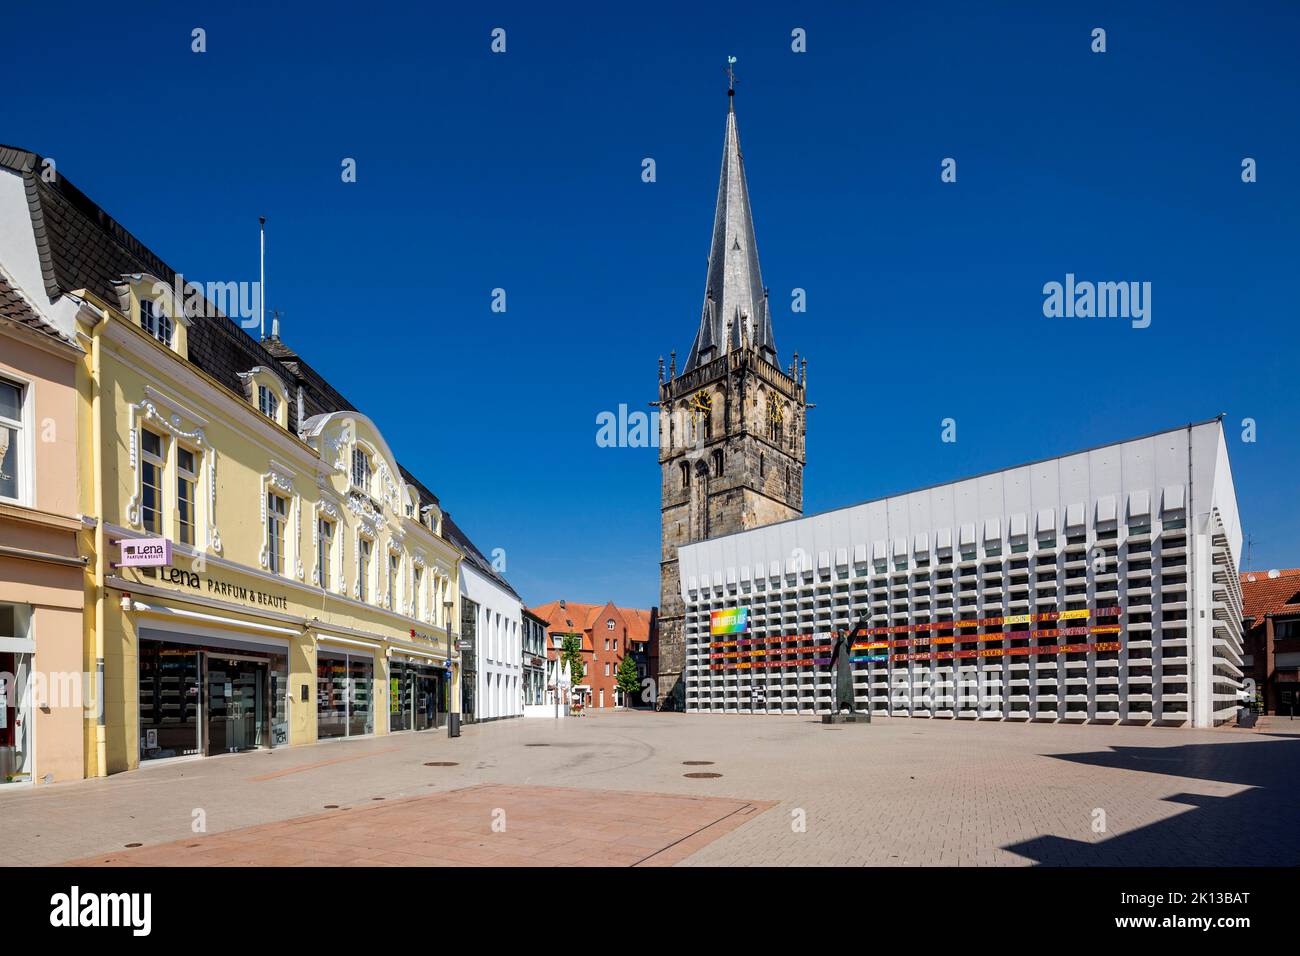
(731,422)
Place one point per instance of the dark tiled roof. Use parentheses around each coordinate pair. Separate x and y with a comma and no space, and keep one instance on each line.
(319,396)
(427,497)
(83,247)
(473,555)
(14,308)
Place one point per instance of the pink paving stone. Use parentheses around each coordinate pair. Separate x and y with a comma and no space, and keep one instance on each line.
(551,826)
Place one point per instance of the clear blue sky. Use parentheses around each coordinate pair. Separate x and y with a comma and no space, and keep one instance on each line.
(522,171)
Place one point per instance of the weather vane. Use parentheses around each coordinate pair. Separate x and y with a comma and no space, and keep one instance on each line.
(731,76)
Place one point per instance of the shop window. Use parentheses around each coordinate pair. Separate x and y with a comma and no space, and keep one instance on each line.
(277,511)
(152,461)
(186,478)
(13,447)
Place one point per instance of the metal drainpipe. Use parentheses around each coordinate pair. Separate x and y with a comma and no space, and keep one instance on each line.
(101,542)
(1189,532)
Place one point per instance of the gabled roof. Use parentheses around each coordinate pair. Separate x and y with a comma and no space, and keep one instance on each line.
(735,301)
(579,618)
(1263,595)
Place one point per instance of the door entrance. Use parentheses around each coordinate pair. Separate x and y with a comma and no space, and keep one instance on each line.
(426,698)
(237,711)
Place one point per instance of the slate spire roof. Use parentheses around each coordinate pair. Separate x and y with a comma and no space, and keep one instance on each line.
(735,301)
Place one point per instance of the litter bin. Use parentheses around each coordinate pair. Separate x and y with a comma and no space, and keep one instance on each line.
(453,725)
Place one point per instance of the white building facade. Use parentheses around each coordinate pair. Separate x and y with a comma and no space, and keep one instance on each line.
(498,645)
(1100,586)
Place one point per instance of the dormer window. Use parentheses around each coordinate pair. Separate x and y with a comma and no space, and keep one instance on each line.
(268,403)
(361,469)
(156,322)
(264,389)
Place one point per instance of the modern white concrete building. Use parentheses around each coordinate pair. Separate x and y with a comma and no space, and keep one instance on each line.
(492,618)
(1099,586)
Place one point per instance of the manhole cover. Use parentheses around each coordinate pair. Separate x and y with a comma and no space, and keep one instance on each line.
(702,775)
(442,763)
(131,846)
(697,763)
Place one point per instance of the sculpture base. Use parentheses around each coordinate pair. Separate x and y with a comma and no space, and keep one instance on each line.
(861,718)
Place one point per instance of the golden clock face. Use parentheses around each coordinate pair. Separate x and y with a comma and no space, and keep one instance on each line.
(701,404)
(775,413)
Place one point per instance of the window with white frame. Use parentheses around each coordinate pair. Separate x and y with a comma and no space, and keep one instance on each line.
(394,569)
(365,547)
(153,462)
(155,321)
(268,403)
(417,582)
(325,552)
(361,469)
(277,517)
(13,440)
(609,625)
(186,478)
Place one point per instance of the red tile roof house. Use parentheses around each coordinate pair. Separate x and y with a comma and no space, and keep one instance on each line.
(1271,617)
(608,634)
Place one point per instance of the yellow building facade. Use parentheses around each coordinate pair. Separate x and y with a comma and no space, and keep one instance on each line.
(309,592)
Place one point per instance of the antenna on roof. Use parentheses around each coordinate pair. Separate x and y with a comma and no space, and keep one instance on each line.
(261,281)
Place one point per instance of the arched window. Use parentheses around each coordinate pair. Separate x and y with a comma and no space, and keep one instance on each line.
(686,474)
(762,466)
(717,463)
(775,419)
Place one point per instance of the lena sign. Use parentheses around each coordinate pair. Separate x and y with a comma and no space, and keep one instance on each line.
(732,621)
(146,553)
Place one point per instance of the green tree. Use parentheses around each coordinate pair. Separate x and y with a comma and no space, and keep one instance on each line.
(627,679)
(571,655)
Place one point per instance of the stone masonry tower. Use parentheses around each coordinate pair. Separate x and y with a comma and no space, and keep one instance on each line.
(731,423)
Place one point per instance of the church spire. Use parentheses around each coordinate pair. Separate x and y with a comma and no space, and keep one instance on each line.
(735,302)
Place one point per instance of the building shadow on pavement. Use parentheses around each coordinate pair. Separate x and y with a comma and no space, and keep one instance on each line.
(1257,827)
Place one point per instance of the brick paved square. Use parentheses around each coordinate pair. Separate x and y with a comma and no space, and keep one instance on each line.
(611,788)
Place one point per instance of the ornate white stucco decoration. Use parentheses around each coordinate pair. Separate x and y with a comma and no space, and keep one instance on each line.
(326,510)
(147,412)
(371,520)
(273,479)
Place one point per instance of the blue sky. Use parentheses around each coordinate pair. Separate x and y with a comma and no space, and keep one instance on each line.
(522,171)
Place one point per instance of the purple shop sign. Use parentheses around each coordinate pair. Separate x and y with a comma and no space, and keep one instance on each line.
(146,552)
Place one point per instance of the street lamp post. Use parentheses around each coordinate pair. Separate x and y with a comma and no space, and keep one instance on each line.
(447,607)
